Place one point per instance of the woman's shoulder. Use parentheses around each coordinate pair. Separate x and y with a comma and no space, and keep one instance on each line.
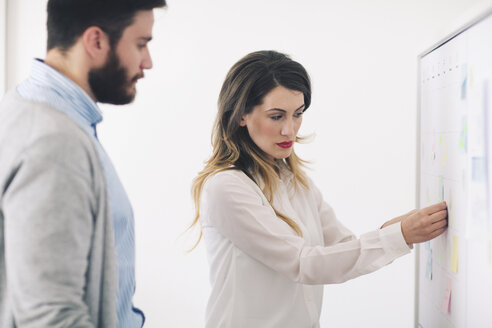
(231,178)
(231,186)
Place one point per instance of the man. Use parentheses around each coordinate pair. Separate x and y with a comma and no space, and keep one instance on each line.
(66,225)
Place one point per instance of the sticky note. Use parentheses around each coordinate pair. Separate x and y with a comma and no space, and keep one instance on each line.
(462,142)
(463,85)
(428,267)
(446,299)
(444,156)
(450,210)
(440,195)
(454,255)
(463,134)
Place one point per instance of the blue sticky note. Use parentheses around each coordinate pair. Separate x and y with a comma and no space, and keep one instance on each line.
(428,267)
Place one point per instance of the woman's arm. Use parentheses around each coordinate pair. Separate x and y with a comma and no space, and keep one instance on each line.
(232,206)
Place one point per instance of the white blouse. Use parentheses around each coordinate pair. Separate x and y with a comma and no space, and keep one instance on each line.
(262,274)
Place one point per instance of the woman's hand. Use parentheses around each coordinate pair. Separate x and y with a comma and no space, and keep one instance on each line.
(425,224)
(397,219)
(422,225)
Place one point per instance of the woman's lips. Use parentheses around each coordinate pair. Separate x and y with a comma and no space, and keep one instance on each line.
(286,144)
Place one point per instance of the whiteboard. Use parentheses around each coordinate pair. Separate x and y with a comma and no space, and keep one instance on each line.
(454,271)
(3,46)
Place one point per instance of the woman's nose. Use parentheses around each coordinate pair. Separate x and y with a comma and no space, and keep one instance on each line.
(288,128)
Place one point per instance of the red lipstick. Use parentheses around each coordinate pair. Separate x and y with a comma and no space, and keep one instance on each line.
(286,144)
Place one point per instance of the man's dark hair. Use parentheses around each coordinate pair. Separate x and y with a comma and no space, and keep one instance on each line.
(68,19)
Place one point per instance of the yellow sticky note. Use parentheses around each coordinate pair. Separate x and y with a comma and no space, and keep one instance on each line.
(454,255)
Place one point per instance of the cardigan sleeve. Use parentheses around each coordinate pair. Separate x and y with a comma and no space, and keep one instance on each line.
(239,213)
(48,209)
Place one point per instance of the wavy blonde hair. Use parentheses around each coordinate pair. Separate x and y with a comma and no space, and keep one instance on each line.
(245,86)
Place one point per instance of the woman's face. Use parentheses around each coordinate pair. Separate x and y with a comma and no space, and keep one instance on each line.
(273,125)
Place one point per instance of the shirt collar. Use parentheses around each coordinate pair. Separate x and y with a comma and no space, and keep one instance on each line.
(82,104)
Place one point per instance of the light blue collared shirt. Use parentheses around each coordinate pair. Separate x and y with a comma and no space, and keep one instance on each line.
(49,86)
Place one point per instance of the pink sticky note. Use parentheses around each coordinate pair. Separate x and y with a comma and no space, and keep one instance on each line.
(446,300)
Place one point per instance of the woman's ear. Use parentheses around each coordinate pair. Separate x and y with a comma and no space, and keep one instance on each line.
(243,121)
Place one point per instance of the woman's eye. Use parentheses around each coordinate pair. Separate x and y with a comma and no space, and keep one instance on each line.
(298,114)
(276,117)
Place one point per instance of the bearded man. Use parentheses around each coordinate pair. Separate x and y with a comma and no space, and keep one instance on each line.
(66,224)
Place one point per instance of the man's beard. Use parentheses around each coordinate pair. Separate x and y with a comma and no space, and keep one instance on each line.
(110,83)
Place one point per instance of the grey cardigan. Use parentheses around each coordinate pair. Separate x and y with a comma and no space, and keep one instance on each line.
(57,254)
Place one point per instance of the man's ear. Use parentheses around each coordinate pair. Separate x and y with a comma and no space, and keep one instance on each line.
(96,44)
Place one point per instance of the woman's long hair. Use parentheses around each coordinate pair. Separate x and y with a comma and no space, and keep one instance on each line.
(245,86)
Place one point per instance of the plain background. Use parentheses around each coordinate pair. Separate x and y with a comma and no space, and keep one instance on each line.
(362,58)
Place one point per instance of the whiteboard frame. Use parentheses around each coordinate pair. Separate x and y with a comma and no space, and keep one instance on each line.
(473,22)
(417,197)
(485,14)
(3,46)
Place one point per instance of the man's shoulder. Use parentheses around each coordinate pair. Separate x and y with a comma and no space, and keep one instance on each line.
(16,109)
(27,121)
(30,129)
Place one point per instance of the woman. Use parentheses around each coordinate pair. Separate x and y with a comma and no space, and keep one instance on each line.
(271,240)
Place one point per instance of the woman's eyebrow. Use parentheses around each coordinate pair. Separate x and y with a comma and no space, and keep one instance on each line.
(283,110)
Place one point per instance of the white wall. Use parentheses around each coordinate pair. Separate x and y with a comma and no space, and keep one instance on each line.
(26,37)
(362,59)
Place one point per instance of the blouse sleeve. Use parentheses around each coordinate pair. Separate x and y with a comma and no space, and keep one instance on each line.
(334,231)
(238,212)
